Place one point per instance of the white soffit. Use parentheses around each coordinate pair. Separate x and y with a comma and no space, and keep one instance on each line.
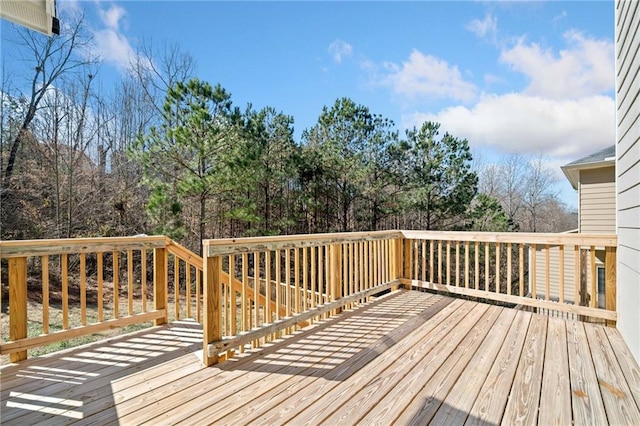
(39,15)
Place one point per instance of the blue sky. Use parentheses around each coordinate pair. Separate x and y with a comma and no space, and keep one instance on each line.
(512,77)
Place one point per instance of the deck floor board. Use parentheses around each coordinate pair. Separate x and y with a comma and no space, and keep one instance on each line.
(406,358)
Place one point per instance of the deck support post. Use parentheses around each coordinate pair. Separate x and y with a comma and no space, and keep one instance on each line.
(610,281)
(160,283)
(335,266)
(18,304)
(212,318)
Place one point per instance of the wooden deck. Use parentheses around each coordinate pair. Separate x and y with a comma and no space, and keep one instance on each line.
(406,358)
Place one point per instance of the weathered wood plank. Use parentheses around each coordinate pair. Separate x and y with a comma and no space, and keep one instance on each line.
(555,398)
(616,395)
(345,345)
(586,400)
(629,366)
(349,375)
(354,399)
(456,375)
(492,398)
(211,386)
(522,405)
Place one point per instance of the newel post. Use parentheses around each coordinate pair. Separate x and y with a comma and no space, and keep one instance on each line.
(610,281)
(160,283)
(212,318)
(18,304)
(406,260)
(335,266)
(397,261)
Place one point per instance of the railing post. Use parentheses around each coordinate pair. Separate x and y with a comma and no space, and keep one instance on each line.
(397,261)
(212,318)
(610,281)
(335,253)
(18,304)
(407,258)
(160,283)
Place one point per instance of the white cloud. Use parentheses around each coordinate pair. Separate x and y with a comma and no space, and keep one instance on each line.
(112,16)
(110,43)
(529,124)
(340,49)
(488,27)
(585,68)
(426,75)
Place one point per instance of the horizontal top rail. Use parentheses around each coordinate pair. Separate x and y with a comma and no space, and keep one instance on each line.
(227,246)
(607,240)
(22,248)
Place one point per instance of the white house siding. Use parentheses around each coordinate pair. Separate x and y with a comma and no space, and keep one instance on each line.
(627,33)
(598,201)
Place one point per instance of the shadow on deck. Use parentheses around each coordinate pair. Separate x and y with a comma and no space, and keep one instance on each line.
(406,358)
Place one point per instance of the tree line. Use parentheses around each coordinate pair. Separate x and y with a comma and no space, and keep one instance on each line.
(164,152)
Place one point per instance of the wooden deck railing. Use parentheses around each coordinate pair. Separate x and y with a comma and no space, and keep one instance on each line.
(307,276)
(249,291)
(103,284)
(558,272)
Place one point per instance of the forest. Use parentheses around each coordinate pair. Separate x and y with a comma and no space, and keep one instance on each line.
(164,152)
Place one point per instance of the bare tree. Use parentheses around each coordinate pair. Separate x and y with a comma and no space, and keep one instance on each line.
(51,58)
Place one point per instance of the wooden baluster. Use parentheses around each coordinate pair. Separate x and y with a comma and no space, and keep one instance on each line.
(407,259)
(321,267)
(440,262)
(176,287)
(116,286)
(17,304)
(448,263)
(287,278)
(521,269)
(487,267)
(457,263)
(561,261)
(45,294)
(278,285)
(244,302)
(83,289)
(610,281)
(424,260)
(143,278)
(467,272)
(233,303)
(99,260)
(296,280)
(547,278)
(532,271)
(594,285)
(256,293)
(267,288)
(305,278)
(198,310)
(509,268)
(187,283)
(431,261)
(64,266)
(477,266)
(335,254)
(130,281)
(498,268)
(576,275)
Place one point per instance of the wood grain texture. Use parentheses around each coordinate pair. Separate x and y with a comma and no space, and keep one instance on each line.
(555,398)
(523,402)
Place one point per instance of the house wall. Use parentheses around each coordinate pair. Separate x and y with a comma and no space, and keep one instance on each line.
(627,34)
(597,197)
